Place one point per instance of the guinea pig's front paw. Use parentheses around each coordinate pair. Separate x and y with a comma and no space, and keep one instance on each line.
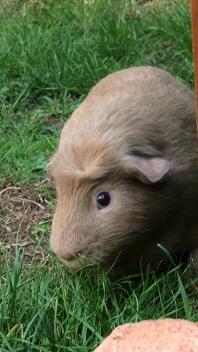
(114,272)
(118,270)
(194,260)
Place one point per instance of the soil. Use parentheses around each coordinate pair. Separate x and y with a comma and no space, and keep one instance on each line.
(25,219)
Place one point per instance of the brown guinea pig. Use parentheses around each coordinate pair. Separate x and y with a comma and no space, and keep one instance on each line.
(126,173)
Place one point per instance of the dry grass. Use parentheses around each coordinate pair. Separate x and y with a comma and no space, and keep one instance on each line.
(25,216)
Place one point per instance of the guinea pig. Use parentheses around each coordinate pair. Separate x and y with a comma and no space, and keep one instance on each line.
(126,173)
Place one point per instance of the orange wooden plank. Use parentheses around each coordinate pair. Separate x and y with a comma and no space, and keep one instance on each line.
(194,4)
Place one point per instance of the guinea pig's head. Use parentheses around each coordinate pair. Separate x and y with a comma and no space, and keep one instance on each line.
(106,196)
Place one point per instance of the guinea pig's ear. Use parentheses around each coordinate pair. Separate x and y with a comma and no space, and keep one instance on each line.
(148,170)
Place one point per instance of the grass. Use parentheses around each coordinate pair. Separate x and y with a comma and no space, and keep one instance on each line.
(51,54)
(48,309)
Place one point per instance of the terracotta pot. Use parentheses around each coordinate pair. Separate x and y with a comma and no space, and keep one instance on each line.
(167,335)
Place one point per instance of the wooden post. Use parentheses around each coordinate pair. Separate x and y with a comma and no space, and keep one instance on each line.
(195,49)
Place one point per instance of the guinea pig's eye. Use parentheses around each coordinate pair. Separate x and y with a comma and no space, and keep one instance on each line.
(103,199)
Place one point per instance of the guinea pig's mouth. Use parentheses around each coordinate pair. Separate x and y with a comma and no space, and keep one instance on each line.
(72,264)
(83,257)
(74,261)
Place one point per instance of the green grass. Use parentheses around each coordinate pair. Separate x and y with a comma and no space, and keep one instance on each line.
(51,54)
(48,309)
(65,48)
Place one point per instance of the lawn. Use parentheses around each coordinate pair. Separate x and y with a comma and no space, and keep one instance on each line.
(51,54)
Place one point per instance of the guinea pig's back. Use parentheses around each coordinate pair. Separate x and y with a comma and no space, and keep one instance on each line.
(140,106)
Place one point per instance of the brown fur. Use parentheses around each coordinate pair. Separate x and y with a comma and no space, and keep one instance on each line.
(134,136)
